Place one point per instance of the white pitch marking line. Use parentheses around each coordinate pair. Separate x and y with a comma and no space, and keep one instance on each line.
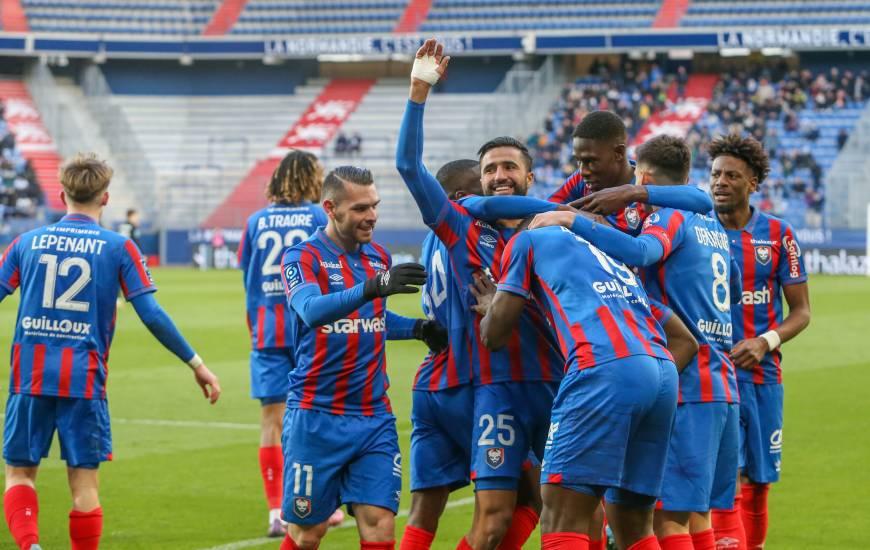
(187,423)
(348,523)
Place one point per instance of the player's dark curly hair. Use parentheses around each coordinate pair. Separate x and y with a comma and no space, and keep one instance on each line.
(333,184)
(668,156)
(506,141)
(450,176)
(601,126)
(747,149)
(298,178)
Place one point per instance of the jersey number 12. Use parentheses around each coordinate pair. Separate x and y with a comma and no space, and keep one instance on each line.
(65,301)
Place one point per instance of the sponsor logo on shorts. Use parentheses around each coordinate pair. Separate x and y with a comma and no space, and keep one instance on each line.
(762,254)
(727,543)
(302,507)
(551,434)
(776,442)
(397,466)
(495,457)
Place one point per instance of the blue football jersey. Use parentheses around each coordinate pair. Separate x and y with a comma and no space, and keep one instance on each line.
(627,220)
(597,305)
(340,366)
(769,257)
(442,302)
(268,232)
(693,278)
(69,274)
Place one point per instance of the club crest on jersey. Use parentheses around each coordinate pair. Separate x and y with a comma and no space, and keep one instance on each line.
(650,220)
(302,507)
(762,254)
(495,457)
(632,217)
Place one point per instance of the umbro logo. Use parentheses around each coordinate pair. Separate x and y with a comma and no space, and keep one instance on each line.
(336,277)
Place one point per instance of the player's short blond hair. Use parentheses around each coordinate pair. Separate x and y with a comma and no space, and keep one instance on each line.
(85,177)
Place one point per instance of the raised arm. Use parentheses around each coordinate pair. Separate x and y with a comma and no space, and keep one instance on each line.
(512,207)
(427,192)
(614,199)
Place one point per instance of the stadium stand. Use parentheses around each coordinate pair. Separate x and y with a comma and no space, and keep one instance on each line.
(268,17)
(718,13)
(478,15)
(13,18)
(320,121)
(29,162)
(155,17)
(802,117)
(202,146)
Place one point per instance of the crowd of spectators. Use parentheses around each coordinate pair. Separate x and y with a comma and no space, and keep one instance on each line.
(20,194)
(773,105)
(633,90)
(766,102)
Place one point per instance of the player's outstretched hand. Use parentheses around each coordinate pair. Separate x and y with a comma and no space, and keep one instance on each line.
(398,280)
(208,382)
(564,218)
(483,290)
(431,333)
(748,353)
(611,200)
(430,64)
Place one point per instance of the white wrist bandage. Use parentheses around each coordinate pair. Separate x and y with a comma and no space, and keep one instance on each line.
(424,69)
(195,362)
(772,338)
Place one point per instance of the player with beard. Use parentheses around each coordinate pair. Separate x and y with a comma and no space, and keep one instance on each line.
(772,268)
(443,396)
(339,440)
(514,387)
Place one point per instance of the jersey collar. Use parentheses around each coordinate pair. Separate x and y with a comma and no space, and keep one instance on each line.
(330,244)
(78,218)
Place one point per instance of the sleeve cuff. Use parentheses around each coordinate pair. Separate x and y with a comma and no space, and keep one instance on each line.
(519,291)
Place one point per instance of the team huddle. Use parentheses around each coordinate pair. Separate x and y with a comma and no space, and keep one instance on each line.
(610,355)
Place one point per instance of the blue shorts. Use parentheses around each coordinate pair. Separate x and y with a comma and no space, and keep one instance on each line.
(441,438)
(270,371)
(610,428)
(760,431)
(510,418)
(82,427)
(701,472)
(332,459)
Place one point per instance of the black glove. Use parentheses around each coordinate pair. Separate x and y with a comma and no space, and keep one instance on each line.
(395,281)
(431,333)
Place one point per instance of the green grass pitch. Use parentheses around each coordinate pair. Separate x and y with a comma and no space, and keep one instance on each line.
(185,475)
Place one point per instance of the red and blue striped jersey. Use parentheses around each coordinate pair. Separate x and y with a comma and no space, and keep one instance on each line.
(693,278)
(476,247)
(598,307)
(441,302)
(69,274)
(629,220)
(340,366)
(769,257)
(268,232)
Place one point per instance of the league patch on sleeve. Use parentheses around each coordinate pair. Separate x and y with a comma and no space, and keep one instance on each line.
(292,275)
